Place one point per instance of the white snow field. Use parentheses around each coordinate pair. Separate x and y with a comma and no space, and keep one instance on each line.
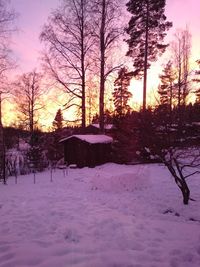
(109,216)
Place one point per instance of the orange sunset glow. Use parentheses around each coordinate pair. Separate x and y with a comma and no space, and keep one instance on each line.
(32,15)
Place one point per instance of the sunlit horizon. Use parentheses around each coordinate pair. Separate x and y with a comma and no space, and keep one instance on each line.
(27,51)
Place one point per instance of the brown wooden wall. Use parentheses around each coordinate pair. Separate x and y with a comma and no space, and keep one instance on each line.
(84,154)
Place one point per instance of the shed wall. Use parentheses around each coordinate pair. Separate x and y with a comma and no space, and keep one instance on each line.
(84,154)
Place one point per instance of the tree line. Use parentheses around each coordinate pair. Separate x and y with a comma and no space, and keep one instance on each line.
(81,39)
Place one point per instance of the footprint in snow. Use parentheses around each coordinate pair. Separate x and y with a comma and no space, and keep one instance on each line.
(6,257)
(159,230)
(175,252)
(198,250)
(4,248)
(72,237)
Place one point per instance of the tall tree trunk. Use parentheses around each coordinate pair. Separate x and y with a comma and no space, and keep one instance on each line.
(179,133)
(146,57)
(186,195)
(83,109)
(186,54)
(32,117)
(170,102)
(179,75)
(2,147)
(83,120)
(0,109)
(102,71)
(185,192)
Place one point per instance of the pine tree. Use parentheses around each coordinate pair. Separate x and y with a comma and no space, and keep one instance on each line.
(2,156)
(166,87)
(126,138)
(197,93)
(147,29)
(58,121)
(121,94)
(35,155)
(197,80)
(2,149)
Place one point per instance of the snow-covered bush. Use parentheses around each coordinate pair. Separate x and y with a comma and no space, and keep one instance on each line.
(15,162)
(19,159)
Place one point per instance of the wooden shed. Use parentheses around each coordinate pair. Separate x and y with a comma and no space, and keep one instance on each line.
(87,150)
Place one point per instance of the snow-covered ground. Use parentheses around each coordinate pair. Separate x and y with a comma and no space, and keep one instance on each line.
(109,216)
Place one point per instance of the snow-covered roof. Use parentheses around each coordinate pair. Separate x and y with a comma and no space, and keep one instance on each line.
(91,138)
(196,123)
(23,145)
(106,126)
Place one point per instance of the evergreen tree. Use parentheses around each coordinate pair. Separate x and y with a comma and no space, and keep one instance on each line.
(35,155)
(126,138)
(197,93)
(2,155)
(197,80)
(121,94)
(58,120)
(147,29)
(166,87)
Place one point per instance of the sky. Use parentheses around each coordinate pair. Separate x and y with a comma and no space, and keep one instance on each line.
(32,15)
(182,13)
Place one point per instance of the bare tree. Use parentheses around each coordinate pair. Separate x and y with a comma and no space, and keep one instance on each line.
(6,19)
(69,40)
(181,51)
(107,32)
(2,148)
(27,96)
(161,143)
(182,164)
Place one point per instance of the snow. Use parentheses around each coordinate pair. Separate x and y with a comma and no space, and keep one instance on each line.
(23,146)
(15,160)
(196,123)
(108,216)
(91,138)
(106,126)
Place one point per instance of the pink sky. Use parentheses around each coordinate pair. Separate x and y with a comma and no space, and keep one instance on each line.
(34,13)
(32,16)
(182,13)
